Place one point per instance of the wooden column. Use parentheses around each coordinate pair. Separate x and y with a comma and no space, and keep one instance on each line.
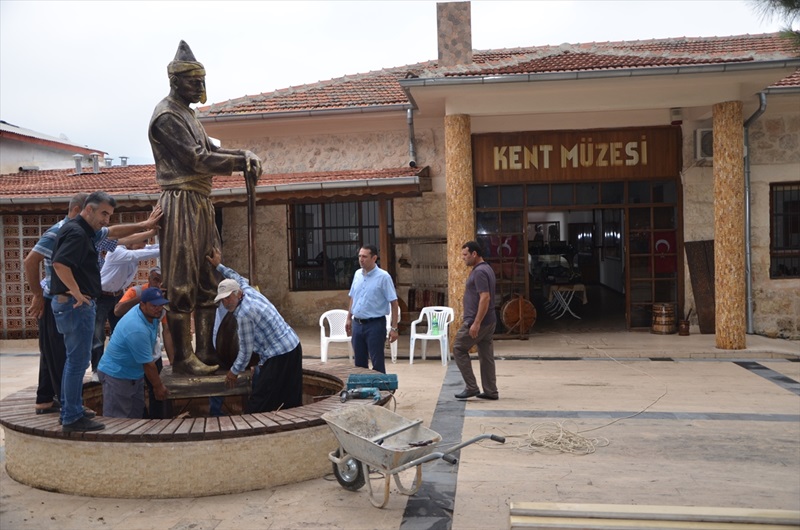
(729,252)
(460,209)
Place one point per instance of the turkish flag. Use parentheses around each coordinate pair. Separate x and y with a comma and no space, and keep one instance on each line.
(665,251)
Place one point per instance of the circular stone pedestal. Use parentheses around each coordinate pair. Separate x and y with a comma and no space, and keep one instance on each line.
(181,457)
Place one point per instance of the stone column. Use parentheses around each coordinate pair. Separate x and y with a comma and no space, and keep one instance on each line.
(729,253)
(460,209)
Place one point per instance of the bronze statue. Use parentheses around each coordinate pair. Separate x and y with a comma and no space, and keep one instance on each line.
(186,161)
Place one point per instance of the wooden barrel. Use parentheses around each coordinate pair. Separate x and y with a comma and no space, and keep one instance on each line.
(663,319)
(518,315)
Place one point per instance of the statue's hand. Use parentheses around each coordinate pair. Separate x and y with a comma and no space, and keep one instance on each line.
(253,166)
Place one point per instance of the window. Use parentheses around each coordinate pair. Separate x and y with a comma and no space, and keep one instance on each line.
(325,239)
(784,232)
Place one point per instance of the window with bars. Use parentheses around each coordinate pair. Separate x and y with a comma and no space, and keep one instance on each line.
(784,232)
(325,239)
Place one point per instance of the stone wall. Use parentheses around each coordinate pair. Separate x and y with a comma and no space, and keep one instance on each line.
(775,157)
(291,154)
(330,152)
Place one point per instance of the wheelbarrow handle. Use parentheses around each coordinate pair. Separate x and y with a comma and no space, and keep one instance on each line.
(450,459)
(498,439)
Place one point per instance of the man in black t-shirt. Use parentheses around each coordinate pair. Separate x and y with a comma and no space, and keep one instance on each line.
(75,286)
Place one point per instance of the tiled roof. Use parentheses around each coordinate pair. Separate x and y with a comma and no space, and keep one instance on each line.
(141,180)
(382,87)
(790,81)
(14,132)
(374,88)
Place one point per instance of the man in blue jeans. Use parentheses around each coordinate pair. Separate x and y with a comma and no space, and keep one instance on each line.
(75,286)
(371,294)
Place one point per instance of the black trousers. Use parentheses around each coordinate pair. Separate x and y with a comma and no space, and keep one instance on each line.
(52,356)
(279,383)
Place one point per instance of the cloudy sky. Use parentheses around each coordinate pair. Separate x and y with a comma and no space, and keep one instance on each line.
(93,71)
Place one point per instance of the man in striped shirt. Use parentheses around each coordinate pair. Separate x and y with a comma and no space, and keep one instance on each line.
(278,378)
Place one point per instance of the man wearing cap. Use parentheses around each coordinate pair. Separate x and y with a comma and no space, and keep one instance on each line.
(278,379)
(186,161)
(129,358)
(129,300)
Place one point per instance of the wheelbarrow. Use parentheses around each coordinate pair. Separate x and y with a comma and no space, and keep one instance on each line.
(372,438)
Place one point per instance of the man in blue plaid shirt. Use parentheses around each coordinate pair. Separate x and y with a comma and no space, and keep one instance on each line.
(278,379)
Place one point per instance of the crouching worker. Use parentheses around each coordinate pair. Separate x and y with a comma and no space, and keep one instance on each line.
(128,359)
(278,378)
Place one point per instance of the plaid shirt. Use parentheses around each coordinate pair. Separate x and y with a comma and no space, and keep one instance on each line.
(103,246)
(261,328)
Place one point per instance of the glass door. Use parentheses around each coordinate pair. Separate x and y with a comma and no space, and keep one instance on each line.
(652,251)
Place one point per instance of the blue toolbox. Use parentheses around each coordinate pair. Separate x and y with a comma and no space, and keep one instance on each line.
(379,381)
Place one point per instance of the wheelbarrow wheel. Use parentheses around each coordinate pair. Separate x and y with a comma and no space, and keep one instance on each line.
(349,473)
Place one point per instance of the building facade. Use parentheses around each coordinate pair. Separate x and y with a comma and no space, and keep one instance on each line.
(665,171)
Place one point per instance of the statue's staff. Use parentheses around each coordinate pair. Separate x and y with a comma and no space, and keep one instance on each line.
(251,178)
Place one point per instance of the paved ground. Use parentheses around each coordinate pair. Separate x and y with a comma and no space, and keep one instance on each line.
(673,421)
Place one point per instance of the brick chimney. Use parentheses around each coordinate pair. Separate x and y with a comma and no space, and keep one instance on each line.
(454,27)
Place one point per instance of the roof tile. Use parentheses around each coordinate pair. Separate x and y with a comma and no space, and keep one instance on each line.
(382,87)
(141,180)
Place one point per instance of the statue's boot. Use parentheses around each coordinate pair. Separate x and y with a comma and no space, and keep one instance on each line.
(185,361)
(204,335)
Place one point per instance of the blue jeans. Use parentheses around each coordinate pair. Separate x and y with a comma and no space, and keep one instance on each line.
(77,326)
(368,341)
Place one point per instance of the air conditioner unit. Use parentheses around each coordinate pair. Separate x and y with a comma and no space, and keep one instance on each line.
(703,144)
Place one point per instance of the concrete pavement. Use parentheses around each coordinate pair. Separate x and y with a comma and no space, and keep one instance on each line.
(670,420)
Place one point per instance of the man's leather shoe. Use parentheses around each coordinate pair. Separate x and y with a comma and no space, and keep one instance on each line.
(82,425)
(467,394)
(87,413)
(484,395)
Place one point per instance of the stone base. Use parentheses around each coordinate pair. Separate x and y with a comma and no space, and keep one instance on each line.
(168,470)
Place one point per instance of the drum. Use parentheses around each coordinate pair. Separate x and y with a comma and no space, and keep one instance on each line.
(518,315)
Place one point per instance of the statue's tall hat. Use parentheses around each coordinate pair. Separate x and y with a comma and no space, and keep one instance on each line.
(184,53)
(185,64)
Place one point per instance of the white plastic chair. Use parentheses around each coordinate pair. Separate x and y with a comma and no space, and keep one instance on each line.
(393,345)
(336,320)
(444,315)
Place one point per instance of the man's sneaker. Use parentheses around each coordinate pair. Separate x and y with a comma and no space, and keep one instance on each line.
(82,425)
(467,394)
(484,395)
(95,378)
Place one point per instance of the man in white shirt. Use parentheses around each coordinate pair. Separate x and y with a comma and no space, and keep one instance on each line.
(116,275)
